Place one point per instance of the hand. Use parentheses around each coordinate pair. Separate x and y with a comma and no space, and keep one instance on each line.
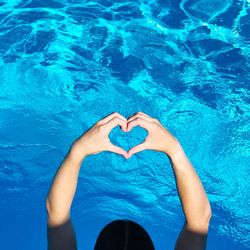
(158,139)
(96,139)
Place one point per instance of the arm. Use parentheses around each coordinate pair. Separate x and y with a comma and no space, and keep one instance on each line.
(193,198)
(95,140)
(194,202)
(62,190)
(60,231)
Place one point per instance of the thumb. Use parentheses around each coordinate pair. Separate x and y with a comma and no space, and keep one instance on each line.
(118,150)
(137,148)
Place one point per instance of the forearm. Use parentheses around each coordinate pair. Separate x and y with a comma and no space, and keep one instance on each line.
(193,198)
(62,190)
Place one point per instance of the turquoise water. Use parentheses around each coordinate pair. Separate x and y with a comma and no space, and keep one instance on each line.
(66,64)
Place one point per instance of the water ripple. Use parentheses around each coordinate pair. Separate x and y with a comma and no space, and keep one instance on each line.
(66,64)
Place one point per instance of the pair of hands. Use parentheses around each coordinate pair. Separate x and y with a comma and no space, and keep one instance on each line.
(96,139)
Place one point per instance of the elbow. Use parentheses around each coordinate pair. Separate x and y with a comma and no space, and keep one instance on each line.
(206,217)
(207,213)
(200,224)
(47,205)
(56,216)
(205,221)
(49,208)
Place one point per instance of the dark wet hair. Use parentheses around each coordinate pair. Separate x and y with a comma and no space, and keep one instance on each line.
(123,235)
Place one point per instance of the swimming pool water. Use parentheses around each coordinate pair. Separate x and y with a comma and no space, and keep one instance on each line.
(66,64)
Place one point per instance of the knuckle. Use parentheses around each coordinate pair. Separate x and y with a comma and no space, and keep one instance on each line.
(154,127)
(131,118)
(98,129)
(134,122)
(101,128)
(144,114)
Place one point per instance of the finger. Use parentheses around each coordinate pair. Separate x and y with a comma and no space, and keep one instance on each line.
(142,113)
(118,150)
(139,122)
(139,112)
(137,148)
(114,122)
(111,116)
(146,117)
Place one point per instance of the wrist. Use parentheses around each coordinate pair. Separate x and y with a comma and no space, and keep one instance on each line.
(175,152)
(178,155)
(76,153)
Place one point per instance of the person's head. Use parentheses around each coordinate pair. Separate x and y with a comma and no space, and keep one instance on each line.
(123,235)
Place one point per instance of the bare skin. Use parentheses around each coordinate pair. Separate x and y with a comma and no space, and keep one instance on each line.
(193,198)
(95,140)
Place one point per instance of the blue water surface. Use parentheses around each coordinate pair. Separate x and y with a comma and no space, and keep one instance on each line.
(64,65)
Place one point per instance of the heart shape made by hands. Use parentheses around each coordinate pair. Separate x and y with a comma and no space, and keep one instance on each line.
(127,140)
